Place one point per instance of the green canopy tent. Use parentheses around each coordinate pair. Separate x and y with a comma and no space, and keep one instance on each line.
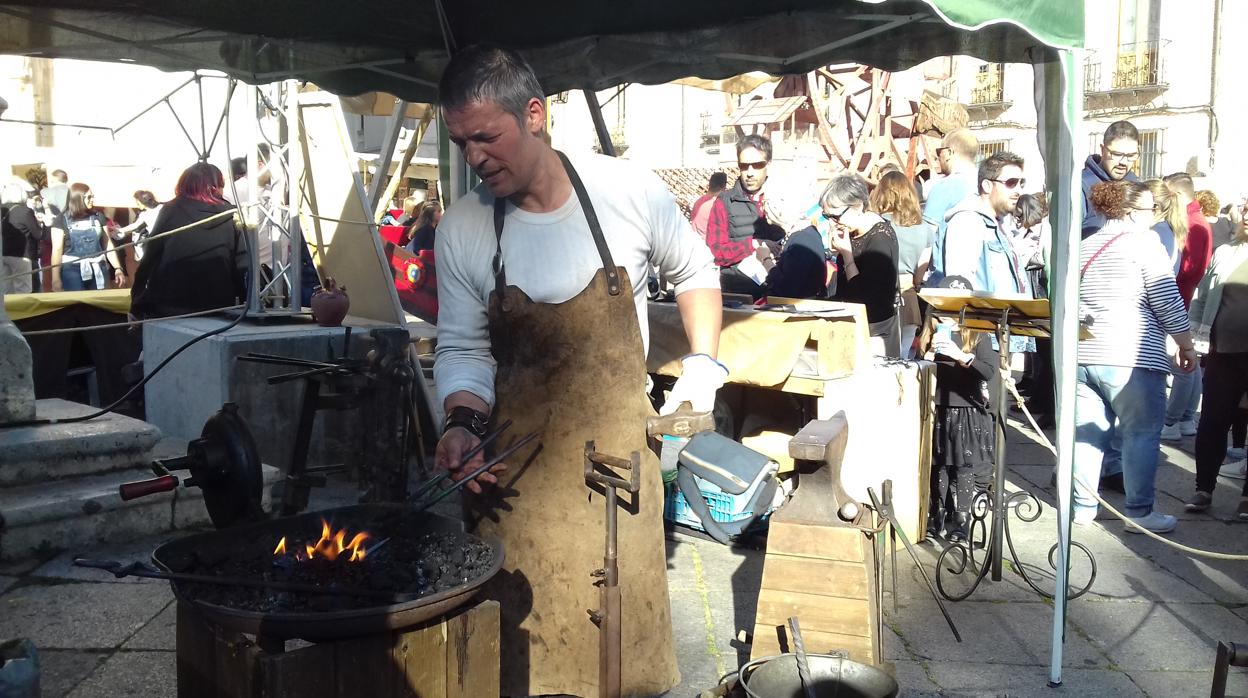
(400,47)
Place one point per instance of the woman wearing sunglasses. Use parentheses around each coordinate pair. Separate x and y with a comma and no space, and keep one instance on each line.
(1127,287)
(866,248)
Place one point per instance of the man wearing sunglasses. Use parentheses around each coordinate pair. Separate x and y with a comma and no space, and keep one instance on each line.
(1120,148)
(742,222)
(976,246)
(955,159)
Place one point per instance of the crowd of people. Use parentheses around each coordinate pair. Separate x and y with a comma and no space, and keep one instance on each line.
(57,239)
(1161,313)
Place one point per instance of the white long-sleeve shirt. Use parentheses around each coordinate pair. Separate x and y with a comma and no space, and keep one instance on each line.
(551,257)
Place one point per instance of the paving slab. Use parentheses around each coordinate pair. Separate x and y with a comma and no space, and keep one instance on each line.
(81,615)
(1003,632)
(132,675)
(160,633)
(912,678)
(1132,578)
(1224,580)
(1155,637)
(61,670)
(62,566)
(6,582)
(1164,684)
(989,679)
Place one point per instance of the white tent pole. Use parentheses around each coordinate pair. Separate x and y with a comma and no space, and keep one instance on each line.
(1060,98)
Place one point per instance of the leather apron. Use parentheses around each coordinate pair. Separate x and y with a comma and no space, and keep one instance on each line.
(575,371)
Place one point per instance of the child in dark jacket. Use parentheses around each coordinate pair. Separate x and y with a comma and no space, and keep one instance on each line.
(963,437)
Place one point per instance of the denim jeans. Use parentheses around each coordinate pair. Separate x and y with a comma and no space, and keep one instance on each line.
(1136,397)
(1184,396)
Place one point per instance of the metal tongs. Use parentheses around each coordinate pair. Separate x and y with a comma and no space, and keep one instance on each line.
(433,484)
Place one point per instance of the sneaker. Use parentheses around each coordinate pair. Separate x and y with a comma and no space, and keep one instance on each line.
(1156,522)
(1170,432)
(1242,512)
(1199,502)
(1188,428)
(1084,516)
(1236,453)
(1237,470)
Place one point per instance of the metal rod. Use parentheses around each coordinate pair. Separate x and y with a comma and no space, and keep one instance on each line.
(203,127)
(183,127)
(229,95)
(473,475)
(600,126)
(152,106)
(53,123)
(997,546)
(803,662)
(138,569)
(463,460)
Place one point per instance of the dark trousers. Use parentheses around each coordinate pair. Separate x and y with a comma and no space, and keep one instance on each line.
(1226,380)
(731,280)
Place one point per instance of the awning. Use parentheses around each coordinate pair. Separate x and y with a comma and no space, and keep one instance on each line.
(400,47)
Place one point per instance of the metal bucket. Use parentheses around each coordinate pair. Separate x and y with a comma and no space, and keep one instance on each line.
(833,676)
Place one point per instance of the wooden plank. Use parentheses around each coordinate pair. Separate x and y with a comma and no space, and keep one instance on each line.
(236,664)
(419,657)
(818,613)
(307,671)
(847,580)
(472,664)
(363,667)
(766,643)
(804,540)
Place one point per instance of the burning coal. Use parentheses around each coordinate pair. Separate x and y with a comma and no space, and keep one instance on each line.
(332,545)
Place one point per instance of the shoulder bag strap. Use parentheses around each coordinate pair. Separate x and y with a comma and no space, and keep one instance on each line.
(1096,254)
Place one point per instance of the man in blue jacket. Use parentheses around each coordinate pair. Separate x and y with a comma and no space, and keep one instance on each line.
(1120,148)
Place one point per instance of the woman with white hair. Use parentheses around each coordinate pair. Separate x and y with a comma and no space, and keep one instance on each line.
(866,246)
(1219,317)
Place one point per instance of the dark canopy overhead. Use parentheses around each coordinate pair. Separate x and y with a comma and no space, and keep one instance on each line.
(400,46)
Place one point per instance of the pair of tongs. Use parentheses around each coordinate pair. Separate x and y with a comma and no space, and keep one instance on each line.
(433,492)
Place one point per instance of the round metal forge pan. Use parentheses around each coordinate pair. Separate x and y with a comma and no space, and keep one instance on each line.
(326,625)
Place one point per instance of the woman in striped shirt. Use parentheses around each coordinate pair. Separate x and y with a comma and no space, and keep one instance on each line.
(1127,287)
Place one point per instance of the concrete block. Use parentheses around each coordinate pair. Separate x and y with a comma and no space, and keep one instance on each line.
(82,616)
(62,450)
(988,679)
(62,670)
(17,376)
(132,674)
(1190,683)
(195,384)
(87,510)
(160,633)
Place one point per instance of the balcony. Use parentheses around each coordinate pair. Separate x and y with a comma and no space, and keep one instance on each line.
(1134,75)
(988,95)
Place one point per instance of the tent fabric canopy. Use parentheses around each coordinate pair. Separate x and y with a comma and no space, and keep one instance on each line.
(399,47)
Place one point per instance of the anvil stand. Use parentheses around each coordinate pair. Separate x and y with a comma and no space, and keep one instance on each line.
(994,503)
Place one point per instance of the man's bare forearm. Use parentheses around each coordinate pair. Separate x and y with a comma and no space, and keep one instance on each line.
(702,314)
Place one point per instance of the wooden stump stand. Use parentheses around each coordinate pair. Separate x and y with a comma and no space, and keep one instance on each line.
(818,568)
(455,656)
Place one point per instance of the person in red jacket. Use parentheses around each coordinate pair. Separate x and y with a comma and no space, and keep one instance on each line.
(1197,250)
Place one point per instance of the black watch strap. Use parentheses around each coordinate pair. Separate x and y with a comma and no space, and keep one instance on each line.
(468,418)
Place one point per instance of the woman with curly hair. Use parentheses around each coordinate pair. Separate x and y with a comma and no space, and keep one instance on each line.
(896,200)
(1127,286)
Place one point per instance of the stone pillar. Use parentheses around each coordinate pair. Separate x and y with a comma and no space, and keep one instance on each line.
(17,378)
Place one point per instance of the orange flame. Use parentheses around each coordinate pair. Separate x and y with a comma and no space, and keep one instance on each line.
(331,544)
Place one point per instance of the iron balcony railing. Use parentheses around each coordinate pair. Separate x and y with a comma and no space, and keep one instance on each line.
(989,86)
(1133,66)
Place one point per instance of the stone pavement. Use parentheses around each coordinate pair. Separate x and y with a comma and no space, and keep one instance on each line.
(1148,627)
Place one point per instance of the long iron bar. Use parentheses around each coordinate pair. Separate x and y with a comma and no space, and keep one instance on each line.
(421,506)
(139,569)
(463,461)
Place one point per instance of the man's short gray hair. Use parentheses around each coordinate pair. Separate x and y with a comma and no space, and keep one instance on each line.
(845,189)
(488,73)
(12,194)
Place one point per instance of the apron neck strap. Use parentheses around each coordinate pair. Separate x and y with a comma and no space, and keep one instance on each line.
(595,229)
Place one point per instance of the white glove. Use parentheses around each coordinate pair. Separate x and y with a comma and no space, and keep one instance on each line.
(700,378)
(943,344)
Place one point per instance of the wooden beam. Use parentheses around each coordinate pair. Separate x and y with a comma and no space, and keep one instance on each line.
(408,153)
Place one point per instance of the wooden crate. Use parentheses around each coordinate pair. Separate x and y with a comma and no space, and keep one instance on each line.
(455,656)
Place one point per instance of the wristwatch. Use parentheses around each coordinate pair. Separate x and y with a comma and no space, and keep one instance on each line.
(475,422)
